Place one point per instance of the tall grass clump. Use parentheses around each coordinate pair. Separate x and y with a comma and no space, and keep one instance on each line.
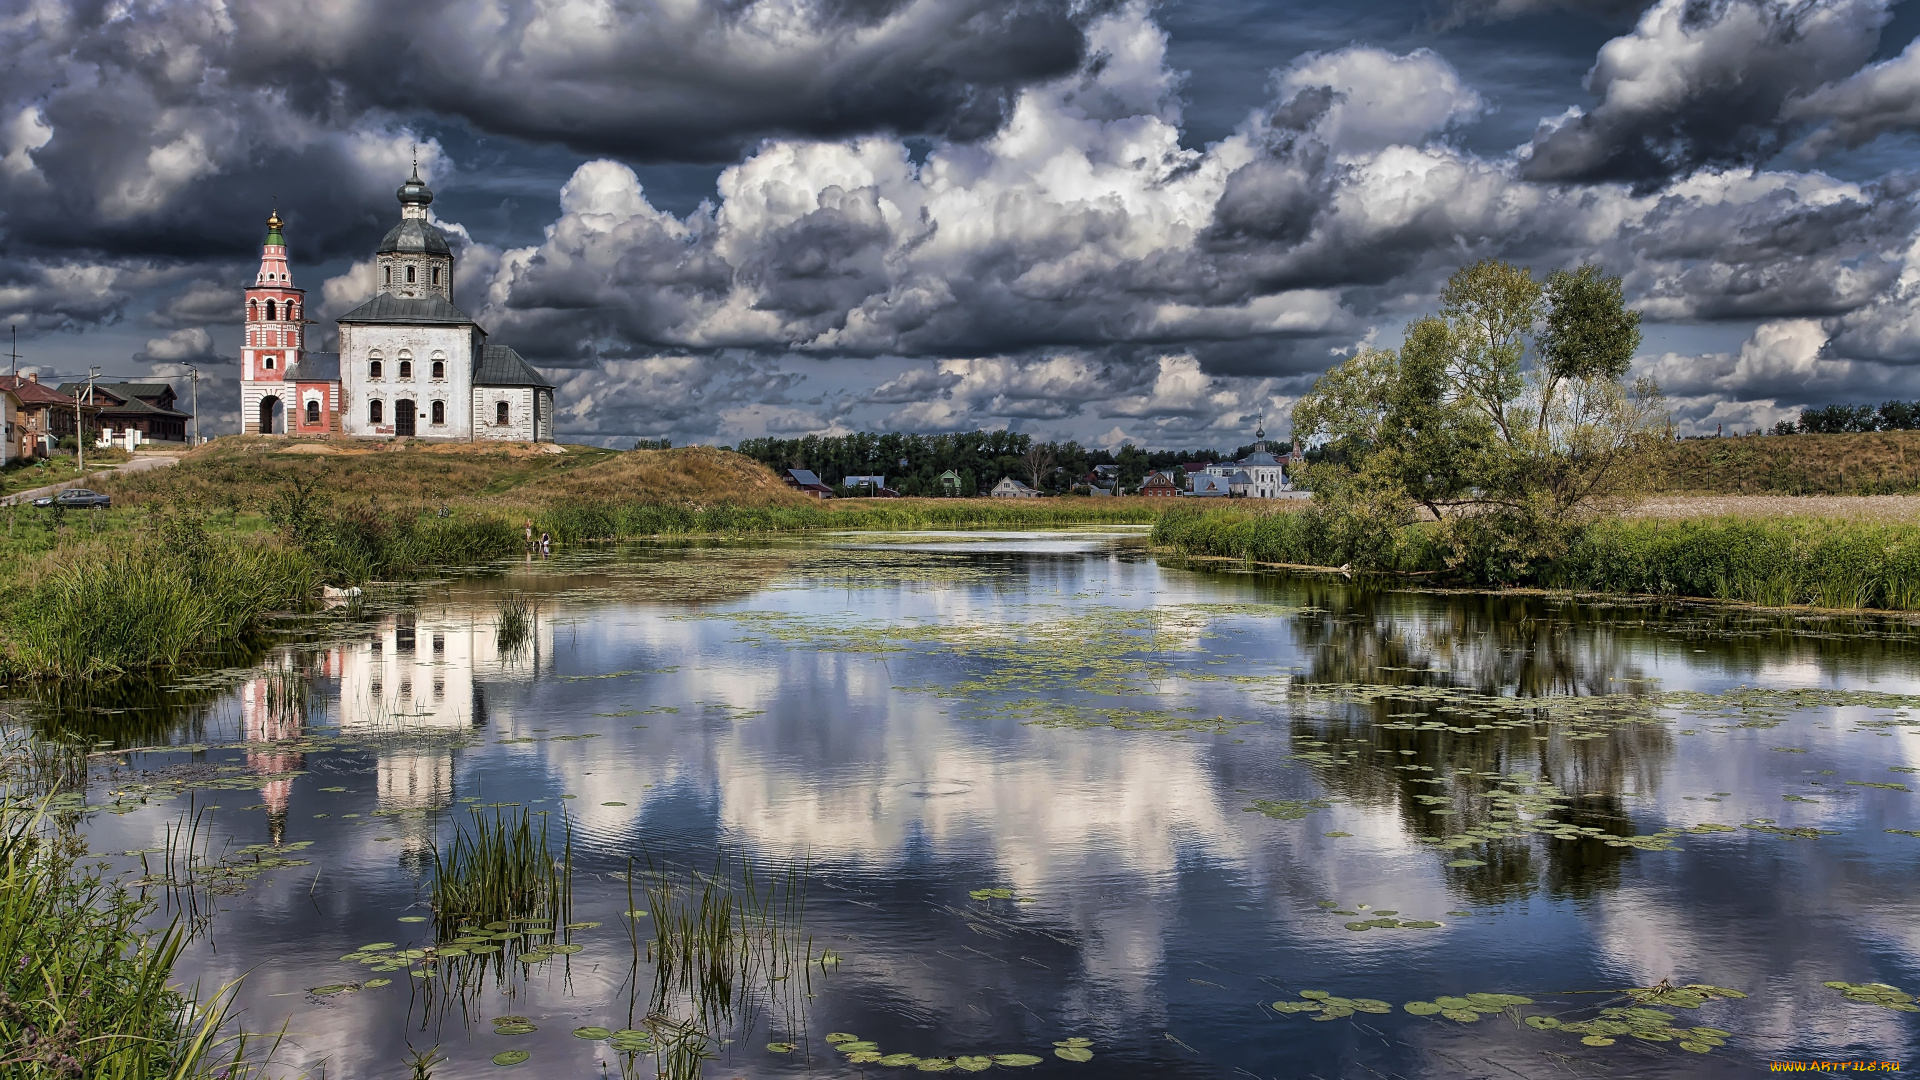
(84,988)
(1825,563)
(131,603)
(514,624)
(503,869)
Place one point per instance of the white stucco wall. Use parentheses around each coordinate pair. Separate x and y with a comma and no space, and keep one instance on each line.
(519,399)
(421,344)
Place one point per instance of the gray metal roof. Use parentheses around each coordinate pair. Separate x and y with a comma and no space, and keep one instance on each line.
(1260,457)
(415,234)
(429,310)
(315,367)
(501,366)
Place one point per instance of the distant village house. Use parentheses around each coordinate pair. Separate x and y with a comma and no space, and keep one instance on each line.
(45,416)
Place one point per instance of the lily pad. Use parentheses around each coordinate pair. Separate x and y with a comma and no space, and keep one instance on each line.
(335,988)
(593,1033)
(782,1047)
(1016,1059)
(973,1062)
(1073,1053)
(413,918)
(836,1037)
(510,1057)
(1421,1008)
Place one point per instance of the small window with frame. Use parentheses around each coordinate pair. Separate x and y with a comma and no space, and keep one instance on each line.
(376,413)
(500,414)
(373,369)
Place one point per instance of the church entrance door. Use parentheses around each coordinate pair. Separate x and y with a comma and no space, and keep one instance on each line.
(271,413)
(403,418)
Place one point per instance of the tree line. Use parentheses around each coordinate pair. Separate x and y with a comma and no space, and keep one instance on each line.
(913,464)
(1838,419)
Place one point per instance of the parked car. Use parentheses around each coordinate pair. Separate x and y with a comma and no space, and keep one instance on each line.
(76,499)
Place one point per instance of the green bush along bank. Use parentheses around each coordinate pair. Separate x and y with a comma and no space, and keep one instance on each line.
(1836,564)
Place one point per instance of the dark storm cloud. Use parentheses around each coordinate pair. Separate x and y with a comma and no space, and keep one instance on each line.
(1702,83)
(1053,247)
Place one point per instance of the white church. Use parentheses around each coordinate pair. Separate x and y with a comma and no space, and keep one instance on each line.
(410,365)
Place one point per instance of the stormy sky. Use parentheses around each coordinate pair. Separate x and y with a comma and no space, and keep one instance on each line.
(716,219)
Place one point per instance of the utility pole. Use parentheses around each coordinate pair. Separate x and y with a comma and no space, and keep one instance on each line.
(80,423)
(193,374)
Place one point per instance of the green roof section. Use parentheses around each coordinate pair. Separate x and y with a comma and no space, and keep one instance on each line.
(273,229)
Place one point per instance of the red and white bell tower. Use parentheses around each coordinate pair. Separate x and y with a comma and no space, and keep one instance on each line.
(275,341)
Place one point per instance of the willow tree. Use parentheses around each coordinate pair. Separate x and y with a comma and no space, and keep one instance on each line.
(1507,419)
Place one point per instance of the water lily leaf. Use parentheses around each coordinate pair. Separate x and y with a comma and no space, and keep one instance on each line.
(498,925)
(636,914)
(568,950)
(1073,1053)
(1421,1008)
(862,1057)
(378,946)
(1076,1041)
(510,1057)
(1369,1005)
(1464,1016)
(782,1047)
(514,1029)
(1696,1047)
(856,1046)
(413,918)
(582,925)
(335,988)
(1315,995)
(1597,1040)
(593,1033)
(1461,863)
(1450,1002)
(973,1062)
(934,1065)
(1542,1023)
(841,1037)
(1016,1059)
(898,1060)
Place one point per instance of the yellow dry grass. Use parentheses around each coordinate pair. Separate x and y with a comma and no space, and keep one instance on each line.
(245,472)
(1886,508)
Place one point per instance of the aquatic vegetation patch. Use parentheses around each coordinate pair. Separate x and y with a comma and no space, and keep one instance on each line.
(1881,994)
(1288,809)
(1326,1006)
(860,1051)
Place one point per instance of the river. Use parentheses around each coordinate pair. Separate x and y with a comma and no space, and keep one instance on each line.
(1043,794)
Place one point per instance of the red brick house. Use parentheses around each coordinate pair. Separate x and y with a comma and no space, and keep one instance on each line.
(46,416)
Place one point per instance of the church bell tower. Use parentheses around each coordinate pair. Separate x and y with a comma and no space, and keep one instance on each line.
(275,339)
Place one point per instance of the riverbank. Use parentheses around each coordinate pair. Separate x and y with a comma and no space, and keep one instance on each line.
(1776,561)
(198,557)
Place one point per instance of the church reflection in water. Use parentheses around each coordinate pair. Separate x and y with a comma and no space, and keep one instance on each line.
(412,689)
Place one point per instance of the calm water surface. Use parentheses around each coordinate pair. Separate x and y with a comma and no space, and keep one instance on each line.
(1187,785)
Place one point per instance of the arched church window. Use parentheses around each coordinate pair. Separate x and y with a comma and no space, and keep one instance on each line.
(406,369)
(439,369)
(269,363)
(500,414)
(389,275)
(375,413)
(436,275)
(373,369)
(409,275)
(439,412)
(313,412)
(270,311)
(253,310)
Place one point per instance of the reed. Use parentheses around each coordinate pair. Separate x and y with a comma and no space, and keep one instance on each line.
(723,946)
(85,990)
(513,626)
(503,869)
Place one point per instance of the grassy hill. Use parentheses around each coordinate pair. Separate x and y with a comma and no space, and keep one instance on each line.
(243,473)
(1867,463)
